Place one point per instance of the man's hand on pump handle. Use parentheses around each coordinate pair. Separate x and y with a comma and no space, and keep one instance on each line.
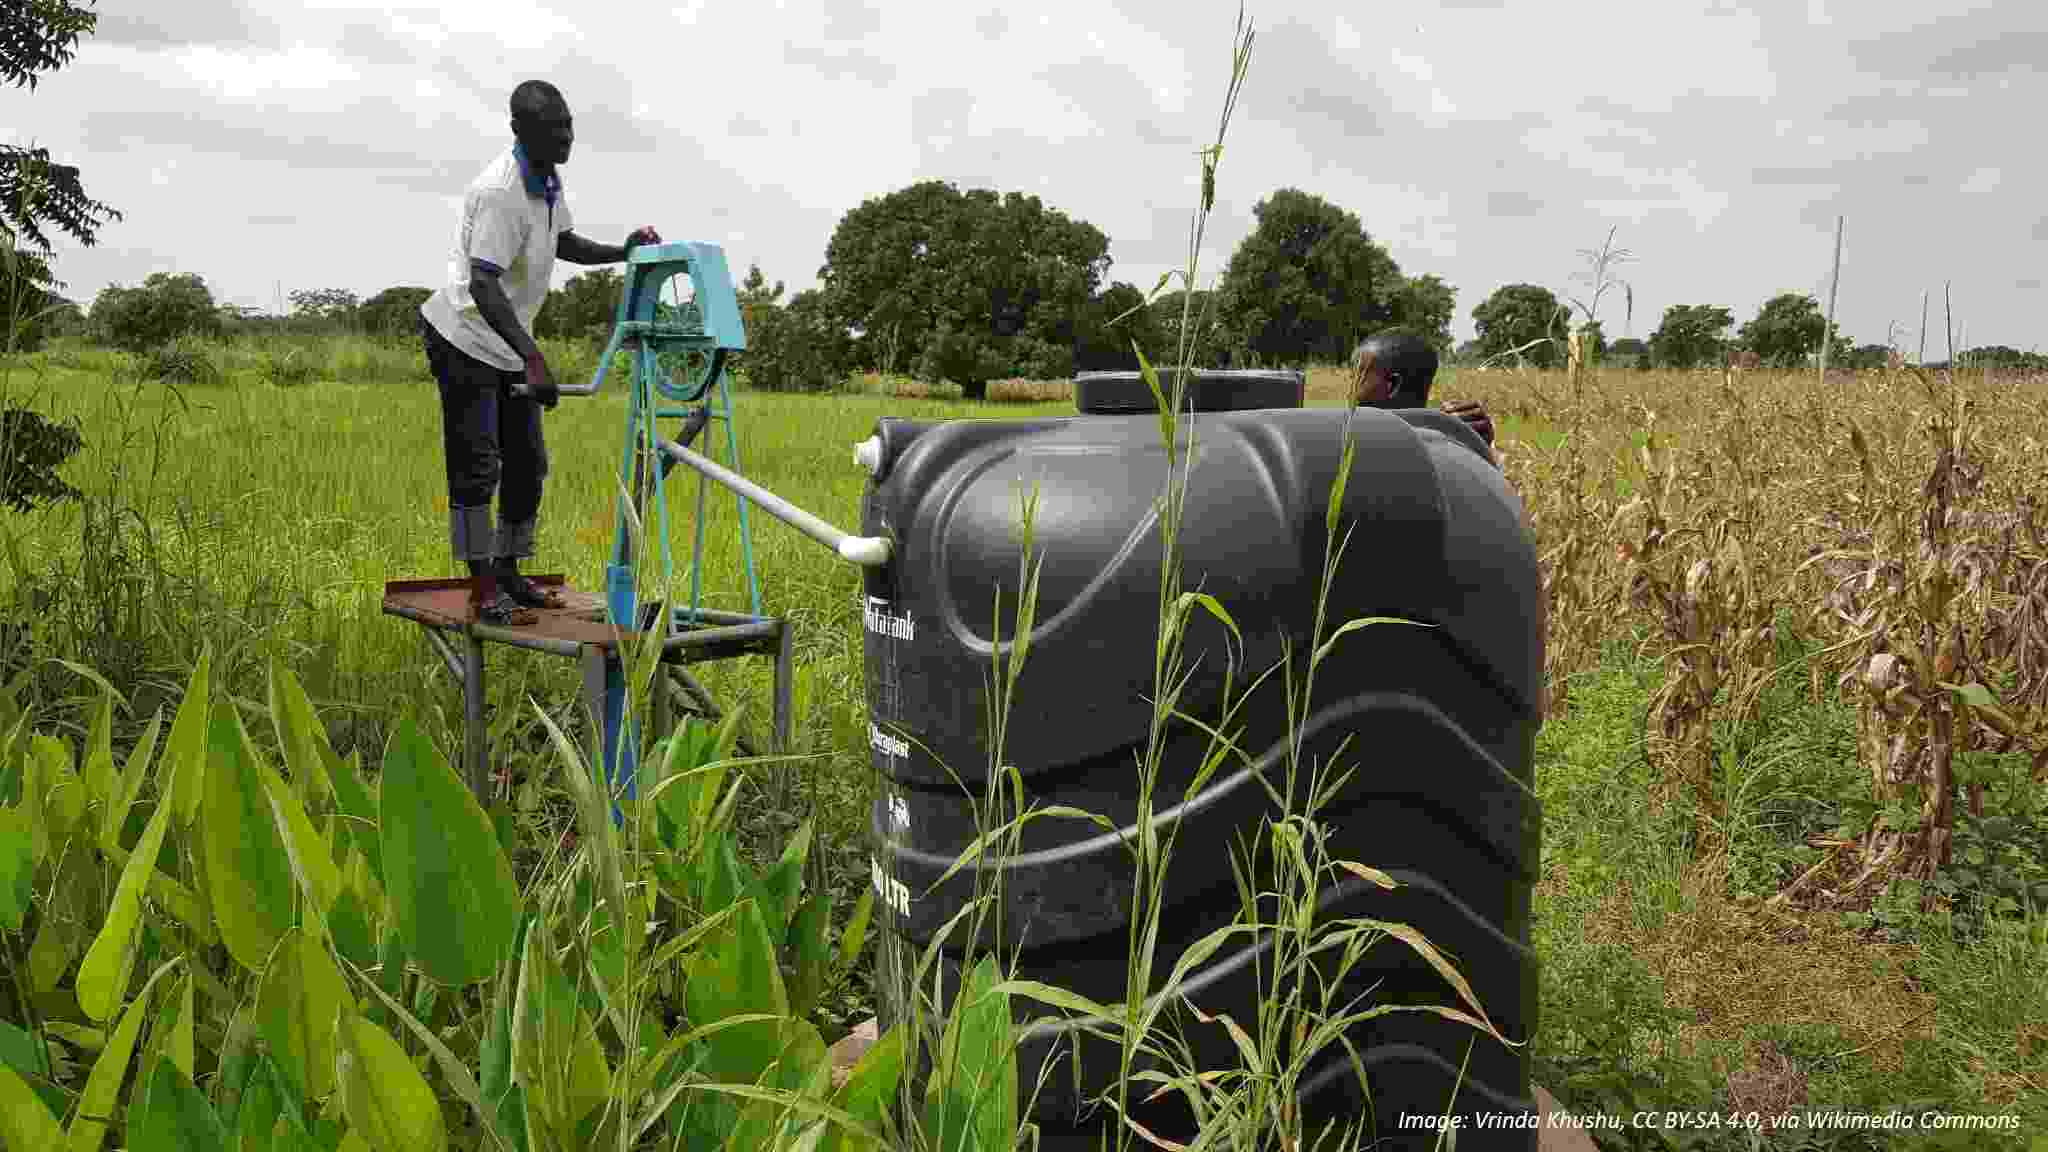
(540,383)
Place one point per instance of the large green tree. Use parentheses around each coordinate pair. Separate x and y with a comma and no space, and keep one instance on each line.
(1308,283)
(1517,314)
(966,286)
(584,306)
(162,308)
(1786,331)
(325,308)
(1427,305)
(394,312)
(37,195)
(1690,335)
(1115,320)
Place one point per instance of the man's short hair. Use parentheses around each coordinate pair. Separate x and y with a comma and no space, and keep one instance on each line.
(1409,361)
(534,99)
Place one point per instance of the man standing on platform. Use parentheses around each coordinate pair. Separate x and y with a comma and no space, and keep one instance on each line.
(493,379)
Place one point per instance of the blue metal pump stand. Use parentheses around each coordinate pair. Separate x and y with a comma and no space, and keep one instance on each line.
(678,356)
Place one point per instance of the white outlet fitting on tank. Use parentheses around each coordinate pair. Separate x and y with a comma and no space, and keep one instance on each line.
(866,551)
(868,454)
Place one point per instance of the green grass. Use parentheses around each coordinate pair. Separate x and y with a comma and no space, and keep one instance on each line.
(277,513)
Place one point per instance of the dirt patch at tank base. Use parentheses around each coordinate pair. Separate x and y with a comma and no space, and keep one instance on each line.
(1731,974)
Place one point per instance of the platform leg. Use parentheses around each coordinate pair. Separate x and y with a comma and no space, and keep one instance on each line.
(474,747)
(604,694)
(660,707)
(785,689)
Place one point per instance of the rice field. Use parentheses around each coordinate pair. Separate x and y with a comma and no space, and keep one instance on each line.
(1795,776)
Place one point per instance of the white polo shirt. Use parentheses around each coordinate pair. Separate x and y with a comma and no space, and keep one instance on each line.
(508,223)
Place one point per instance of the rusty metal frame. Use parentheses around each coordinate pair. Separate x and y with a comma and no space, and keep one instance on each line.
(579,631)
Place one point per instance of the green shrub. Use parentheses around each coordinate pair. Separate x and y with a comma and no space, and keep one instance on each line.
(164,308)
(182,361)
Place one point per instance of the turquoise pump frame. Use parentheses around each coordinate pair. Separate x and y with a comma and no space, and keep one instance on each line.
(654,395)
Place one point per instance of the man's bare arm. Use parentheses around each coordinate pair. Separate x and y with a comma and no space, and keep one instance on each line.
(497,312)
(583,250)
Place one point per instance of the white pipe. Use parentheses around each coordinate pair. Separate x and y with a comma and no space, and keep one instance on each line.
(866,551)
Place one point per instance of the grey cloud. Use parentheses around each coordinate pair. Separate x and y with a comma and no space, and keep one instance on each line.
(1512,203)
(1965,44)
(1117,97)
(223,22)
(850,22)
(845,64)
(940,112)
(428,159)
(745,127)
(992,24)
(1318,86)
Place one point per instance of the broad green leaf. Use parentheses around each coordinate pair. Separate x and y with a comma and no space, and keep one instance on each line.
(23,1052)
(735,973)
(312,862)
(351,930)
(384,1096)
(176,1116)
(79,1036)
(810,950)
(17,868)
(390,968)
(974,1089)
(295,1012)
(25,1123)
(98,774)
(868,1094)
(555,1052)
(172,897)
(62,800)
(300,735)
(178,1044)
(184,762)
(856,927)
(450,886)
(103,1085)
(494,1058)
(257,1113)
(785,881)
(803,1067)
(357,809)
(130,784)
(248,875)
(65,809)
(103,975)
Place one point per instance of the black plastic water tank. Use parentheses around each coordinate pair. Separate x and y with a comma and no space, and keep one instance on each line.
(1440,722)
(1211,390)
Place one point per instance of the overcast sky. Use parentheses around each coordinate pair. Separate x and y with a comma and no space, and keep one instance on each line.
(281,144)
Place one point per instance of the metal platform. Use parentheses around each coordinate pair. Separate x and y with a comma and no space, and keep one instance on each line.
(580,630)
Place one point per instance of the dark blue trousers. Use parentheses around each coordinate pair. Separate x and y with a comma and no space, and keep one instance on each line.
(491,439)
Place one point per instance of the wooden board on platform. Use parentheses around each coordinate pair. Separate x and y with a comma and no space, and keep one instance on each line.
(446,604)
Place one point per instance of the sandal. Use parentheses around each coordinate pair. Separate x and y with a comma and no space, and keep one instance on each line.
(505,612)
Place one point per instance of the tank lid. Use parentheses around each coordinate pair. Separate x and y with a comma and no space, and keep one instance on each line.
(1211,390)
